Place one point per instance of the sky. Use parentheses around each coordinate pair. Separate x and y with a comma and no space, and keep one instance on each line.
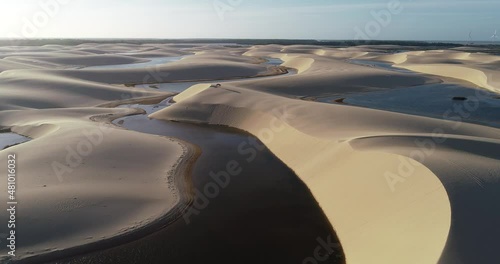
(444,20)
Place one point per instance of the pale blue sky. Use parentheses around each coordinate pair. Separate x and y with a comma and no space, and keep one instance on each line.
(319,19)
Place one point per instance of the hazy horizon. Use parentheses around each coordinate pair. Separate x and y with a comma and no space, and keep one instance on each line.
(405,20)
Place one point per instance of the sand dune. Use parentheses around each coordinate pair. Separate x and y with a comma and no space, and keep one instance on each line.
(325,76)
(262,51)
(298,63)
(193,90)
(304,49)
(78,180)
(396,188)
(375,225)
(89,60)
(11,65)
(459,65)
(178,71)
(327,178)
(19,86)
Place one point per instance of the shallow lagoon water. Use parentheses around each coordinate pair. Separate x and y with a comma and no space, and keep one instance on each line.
(265,209)
(151,62)
(10,139)
(379,64)
(438,100)
(178,87)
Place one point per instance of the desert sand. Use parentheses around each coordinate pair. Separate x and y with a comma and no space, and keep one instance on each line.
(397,186)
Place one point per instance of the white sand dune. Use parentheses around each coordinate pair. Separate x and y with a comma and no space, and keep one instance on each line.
(323,145)
(76,186)
(52,91)
(304,49)
(11,65)
(184,70)
(479,69)
(397,188)
(263,51)
(324,76)
(89,60)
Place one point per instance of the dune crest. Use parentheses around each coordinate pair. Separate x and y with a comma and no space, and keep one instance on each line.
(398,206)
(464,66)
(366,224)
(301,64)
(191,91)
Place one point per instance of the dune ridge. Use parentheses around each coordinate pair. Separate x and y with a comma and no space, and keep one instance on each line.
(464,66)
(372,228)
(329,186)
